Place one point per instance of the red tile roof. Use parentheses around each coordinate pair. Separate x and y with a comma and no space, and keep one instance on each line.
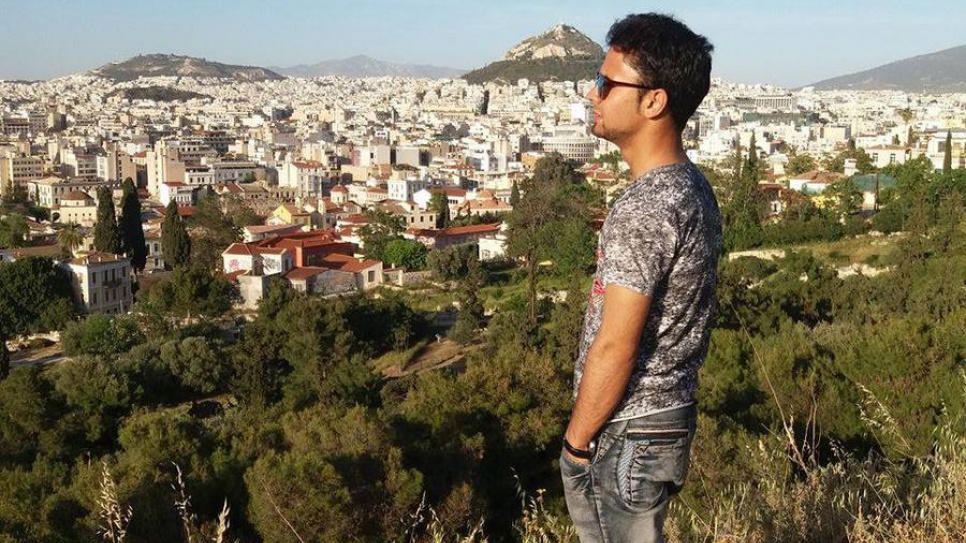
(238,249)
(301,274)
(347,263)
(233,276)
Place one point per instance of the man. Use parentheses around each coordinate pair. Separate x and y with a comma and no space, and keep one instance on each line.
(627,446)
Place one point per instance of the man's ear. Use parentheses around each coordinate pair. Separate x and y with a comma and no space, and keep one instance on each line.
(655,103)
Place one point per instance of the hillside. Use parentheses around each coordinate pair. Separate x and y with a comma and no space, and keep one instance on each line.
(161,65)
(942,71)
(158,94)
(562,53)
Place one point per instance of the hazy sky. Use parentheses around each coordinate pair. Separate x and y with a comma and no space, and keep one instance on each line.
(782,42)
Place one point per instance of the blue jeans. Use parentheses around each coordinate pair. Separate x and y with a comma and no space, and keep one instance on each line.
(622,495)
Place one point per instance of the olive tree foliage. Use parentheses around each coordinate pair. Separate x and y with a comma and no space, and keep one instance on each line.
(35,296)
(553,201)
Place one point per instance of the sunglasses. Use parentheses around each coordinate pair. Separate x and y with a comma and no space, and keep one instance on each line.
(605,84)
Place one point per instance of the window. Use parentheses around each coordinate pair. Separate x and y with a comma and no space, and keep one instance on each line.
(93,278)
(94,298)
(372,276)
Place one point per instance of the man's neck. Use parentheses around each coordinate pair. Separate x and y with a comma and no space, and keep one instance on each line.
(650,151)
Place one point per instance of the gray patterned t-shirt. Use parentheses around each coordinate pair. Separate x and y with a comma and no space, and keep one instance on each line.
(663,239)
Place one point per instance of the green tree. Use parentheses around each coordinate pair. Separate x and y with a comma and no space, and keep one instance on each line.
(566,323)
(14,195)
(550,198)
(439,204)
(799,164)
(14,231)
(175,242)
(131,227)
(863,162)
(847,198)
(107,236)
(452,262)
(35,296)
(381,228)
(515,194)
(101,335)
(70,237)
(192,292)
(406,253)
(742,209)
(258,365)
(470,316)
(213,232)
(948,153)
(198,363)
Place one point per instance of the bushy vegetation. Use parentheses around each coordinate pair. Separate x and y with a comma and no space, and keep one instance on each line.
(831,410)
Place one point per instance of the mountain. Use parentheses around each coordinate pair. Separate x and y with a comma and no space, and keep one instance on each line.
(159,65)
(943,71)
(562,53)
(363,66)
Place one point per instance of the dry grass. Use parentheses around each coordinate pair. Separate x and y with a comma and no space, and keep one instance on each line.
(114,516)
(876,499)
(855,250)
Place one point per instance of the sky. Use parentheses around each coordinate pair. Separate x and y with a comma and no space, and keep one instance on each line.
(788,43)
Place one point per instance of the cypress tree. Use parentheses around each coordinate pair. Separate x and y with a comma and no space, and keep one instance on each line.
(107,236)
(515,195)
(175,242)
(132,231)
(440,204)
(948,157)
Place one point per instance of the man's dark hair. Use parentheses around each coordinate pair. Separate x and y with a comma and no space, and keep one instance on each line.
(666,54)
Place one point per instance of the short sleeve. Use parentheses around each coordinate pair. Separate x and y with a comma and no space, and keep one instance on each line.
(637,245)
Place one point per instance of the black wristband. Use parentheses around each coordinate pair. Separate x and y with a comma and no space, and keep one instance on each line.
(583,454)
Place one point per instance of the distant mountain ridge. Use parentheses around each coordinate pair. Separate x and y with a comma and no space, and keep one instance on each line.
(363,66)
(164,65)
(939,72)
(562,53)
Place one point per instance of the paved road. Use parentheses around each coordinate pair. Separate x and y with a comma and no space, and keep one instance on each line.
(42,361)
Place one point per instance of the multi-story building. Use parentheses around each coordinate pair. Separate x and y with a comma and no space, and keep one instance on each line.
(18,169)
(306,177)
(936,148)
(571,142)
(48,191)
(79,163)
(402,190)
(182,193)
(101,283)
(75,207)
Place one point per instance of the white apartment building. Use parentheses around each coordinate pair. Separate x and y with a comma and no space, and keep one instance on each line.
(306,177)
(936,149)
(886,155)
(78,163)
(182,193)
(572,142)
(101,283)
(402,190)
(48,191)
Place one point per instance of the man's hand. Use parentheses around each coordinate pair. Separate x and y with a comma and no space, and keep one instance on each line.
(574,460)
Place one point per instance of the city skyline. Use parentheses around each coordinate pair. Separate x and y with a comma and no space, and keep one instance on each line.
(787,45)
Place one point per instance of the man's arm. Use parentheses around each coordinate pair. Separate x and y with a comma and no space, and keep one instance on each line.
(609,364)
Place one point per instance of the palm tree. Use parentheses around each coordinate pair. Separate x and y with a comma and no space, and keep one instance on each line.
(70,237)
